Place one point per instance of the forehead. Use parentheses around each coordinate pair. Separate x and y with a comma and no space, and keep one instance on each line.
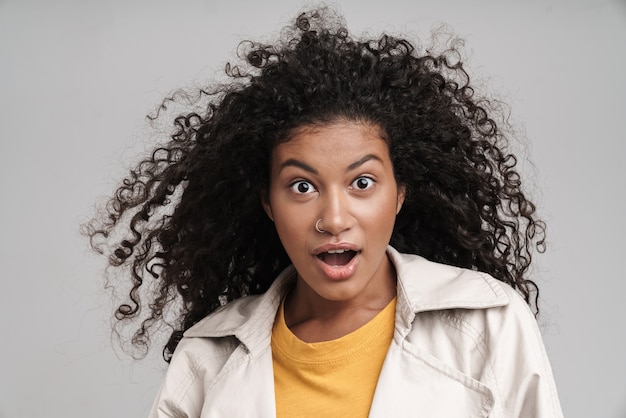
(333,141)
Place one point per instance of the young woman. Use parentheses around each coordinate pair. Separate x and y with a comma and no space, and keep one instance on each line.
(340,232)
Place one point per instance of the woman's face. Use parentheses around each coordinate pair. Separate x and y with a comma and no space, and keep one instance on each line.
(342,174)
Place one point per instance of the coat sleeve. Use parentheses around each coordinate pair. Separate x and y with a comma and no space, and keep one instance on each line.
(524,384)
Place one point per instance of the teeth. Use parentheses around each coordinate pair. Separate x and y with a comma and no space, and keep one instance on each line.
(336,251)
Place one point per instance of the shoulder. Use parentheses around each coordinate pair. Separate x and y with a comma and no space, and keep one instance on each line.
(207,349)
(195,364)
(477,314)
(199,358)
(237,331)
(469,309)
(496,328)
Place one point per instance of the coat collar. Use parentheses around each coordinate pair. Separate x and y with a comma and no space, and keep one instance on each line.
(250,318)
(428,286)
(422,286)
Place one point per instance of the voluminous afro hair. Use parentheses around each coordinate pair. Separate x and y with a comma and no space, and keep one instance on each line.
(189,215)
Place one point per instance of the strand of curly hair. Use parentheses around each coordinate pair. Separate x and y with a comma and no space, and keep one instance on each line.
(190,212)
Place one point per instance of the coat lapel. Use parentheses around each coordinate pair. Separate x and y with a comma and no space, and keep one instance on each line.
(415,384)
(244,388)
(412,382)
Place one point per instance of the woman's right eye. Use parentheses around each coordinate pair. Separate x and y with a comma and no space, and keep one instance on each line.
(302,187)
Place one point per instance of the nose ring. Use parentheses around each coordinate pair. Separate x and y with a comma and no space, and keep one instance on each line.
(317,226)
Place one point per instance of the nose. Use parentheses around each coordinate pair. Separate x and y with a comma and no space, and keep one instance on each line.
(336,212)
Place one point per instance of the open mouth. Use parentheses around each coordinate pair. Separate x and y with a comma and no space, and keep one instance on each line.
(337,257)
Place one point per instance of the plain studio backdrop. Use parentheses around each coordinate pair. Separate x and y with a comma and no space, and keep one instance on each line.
(78,77)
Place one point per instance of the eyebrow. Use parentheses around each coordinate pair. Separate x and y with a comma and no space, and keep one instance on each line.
(363,160)
(297,163)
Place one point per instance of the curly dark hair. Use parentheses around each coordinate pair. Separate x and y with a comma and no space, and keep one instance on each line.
(190,214)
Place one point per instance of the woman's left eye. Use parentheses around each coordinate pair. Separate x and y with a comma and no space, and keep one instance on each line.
(363,183)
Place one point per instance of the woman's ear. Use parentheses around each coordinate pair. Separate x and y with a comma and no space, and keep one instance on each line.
(265,201)
(401,196)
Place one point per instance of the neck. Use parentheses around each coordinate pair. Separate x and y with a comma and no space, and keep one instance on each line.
(313,318)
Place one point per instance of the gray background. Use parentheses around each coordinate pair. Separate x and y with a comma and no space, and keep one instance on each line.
(77,77)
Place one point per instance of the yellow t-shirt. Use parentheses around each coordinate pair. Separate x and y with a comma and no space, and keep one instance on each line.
(331,378)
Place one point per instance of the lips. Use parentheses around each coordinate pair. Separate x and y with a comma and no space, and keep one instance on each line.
(338,261)
(339,257)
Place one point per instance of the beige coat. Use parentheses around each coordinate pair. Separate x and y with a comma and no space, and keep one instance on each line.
(465,345)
